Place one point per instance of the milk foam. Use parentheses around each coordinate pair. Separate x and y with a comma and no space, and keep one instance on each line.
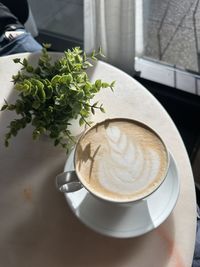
(130,160)
(125,167)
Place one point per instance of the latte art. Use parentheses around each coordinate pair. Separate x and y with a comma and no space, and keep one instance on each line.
(121,160)
(127,166)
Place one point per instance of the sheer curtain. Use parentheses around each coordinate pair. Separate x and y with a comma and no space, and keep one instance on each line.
(111,25)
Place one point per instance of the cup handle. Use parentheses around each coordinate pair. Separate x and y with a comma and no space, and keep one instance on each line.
(68,182)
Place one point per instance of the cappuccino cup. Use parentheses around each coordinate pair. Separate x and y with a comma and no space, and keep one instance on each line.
(118,160)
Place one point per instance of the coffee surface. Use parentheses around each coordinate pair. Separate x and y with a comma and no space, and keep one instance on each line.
(121,160)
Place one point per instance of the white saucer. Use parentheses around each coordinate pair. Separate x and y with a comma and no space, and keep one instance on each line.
(125,221)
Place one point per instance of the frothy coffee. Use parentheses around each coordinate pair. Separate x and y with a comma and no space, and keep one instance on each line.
(121,160)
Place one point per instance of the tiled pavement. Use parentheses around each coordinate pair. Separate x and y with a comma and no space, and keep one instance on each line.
(174,32)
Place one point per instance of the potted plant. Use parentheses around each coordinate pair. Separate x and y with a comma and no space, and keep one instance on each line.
(52,94)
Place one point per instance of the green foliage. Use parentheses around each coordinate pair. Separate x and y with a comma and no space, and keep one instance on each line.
(52,94)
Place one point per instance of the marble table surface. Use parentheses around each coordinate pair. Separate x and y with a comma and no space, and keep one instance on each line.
(37,228)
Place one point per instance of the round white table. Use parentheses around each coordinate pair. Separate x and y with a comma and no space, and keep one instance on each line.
(37,228)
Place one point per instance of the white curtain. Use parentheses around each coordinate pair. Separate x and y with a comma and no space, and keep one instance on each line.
(111,25)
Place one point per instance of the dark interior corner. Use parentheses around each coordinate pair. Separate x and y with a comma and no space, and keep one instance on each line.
(184,109)
(59,43)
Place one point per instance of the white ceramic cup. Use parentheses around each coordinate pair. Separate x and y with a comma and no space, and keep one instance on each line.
(122,135)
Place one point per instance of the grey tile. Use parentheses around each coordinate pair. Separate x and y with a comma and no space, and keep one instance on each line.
(182,50)
(176,43)
(193,16)
(170,11)
(60,16)
(179,50)
(157,9)
(68,21)
(158,41)
(151,43)
(45,10)
(166,35)
(178,11)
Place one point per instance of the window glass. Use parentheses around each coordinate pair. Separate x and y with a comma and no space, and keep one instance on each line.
(173,32)
(59,17)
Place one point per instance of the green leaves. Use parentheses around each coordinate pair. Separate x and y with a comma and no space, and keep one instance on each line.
(16,60)
(52,94)
(41,96)
(5,106)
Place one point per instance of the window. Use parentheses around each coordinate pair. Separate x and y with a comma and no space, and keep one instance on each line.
(54,20)
(167,37)
(171,42)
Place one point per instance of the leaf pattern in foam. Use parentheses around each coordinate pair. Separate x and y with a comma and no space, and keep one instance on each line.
(118,144)
(125,168)
(125,157)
